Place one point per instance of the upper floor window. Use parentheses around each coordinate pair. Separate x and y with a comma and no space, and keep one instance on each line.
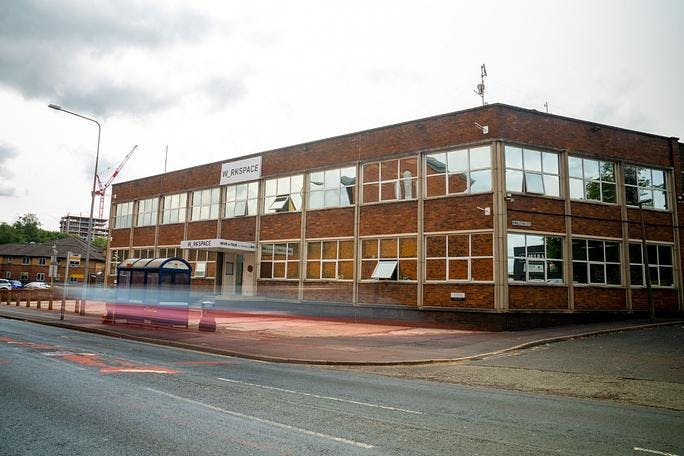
(459,171)
(532,171)
(205,204)
(535,258)
(173,210)
(147,212)
(659,264)
(42,261)
(592,180)
(123,215)
(241,199)
(390,180)
(332,187)
(596,262)
(25,260)
(283,194)
(646,186)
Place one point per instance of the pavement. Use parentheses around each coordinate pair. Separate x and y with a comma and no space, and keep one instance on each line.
(281,337)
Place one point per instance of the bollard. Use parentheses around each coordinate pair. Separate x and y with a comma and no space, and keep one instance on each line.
(38,298)
(77,304)
(28,299)
(50,302)
(207,321)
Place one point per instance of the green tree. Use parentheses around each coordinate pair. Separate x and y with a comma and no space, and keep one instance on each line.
(27,229)
(100,243)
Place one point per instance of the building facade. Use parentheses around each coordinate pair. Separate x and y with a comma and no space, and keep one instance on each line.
(78,226)
(492,209)
(31,262)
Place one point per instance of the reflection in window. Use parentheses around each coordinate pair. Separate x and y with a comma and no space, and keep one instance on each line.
(173,210)
(147,212)
(592,180)
(279,260)
(332,187)
(205,204)
(659,262)
(596,262)
(458,171)
(535,258)
(123,215)
(390,180)
(646,186)
(402,250)
(283,194)
(330,260)
(532,171)
(459,257)
(241,199)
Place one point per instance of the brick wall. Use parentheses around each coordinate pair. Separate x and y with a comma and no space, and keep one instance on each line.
(202,230)
(545,214)
(388,293)
(478,296)
(457,213)
(664,300)
(171,234)
(239,229)
(328,291)
(596,220)
(600,298)
(281,226)
(389,218)
(120,238)
(537,297)
(328,223)
(143,236)
(281,289)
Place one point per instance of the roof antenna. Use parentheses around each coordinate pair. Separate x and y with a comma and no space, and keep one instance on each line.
(481,86)
(546,105)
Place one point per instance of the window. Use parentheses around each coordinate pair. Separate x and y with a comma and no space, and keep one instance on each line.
(332,187)
(174,208)
(592,180)
(596,262)
(283,194)
(390,180)
(147,212)
(396,255)
(205,204)
(123,215)
(8,260)
(24,277)
(8,275)
(459,171)
(659,262)
(25,260)
(330,260)
(535,258)
(42,261)
(241,199)
(40,276)
(647,186)
(169,252)
(203,263)
(116,257)
(147,252)
(532,171)
(279,260)
(459,257)
(73,279)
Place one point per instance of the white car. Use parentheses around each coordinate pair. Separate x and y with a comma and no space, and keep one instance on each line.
(37,286)
(5,284)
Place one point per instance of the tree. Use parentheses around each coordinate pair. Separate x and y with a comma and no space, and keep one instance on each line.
(100,243)
(27,229)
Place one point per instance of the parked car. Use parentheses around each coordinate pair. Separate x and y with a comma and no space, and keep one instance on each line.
(16,284)
(5,284)
(36,286)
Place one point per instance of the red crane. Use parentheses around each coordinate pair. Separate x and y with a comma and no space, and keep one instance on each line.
(103,188)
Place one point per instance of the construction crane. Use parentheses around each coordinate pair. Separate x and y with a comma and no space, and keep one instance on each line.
(103,188)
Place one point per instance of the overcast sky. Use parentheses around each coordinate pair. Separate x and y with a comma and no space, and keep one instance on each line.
(215,80)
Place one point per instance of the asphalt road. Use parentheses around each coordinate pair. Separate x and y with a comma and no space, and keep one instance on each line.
(65,392)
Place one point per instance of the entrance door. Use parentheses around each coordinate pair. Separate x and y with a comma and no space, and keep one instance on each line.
(248,275)
(239,261)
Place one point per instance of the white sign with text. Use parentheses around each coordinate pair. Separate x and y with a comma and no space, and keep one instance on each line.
(241,171)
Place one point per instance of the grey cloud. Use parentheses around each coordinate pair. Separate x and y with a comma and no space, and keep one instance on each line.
(7,152)
(48,49)
(220,91)
(7,190)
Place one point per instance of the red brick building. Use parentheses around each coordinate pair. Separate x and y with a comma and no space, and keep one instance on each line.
(496,209)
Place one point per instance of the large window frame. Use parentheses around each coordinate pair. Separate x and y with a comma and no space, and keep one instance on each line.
(459,257)
(592,180)
(147,212)
(203,263)
(334,187)
(174,208)
(596,262)
(459,171)
(390,180)
(647,186)
(279,260)
(283,194)
(330,259)
(241,200)
(396,254)
(123,215)
(532,171)
(547,261)
(660,263)
(205,204)
(116,256)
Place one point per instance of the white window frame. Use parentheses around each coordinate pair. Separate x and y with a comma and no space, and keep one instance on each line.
(40,276)
(329,185)
(652,263)
(546,173)
(42,261)
(321,260)
(24,276)
(396,257)
(645,190)
(588,263)
(146,214)
(601,181)
(116,256)
(535,259)
(26,260)
(174,208)
(241,200)
(279,195)
(205,204)
(123,215)
(446,257)
(405,186)
(289,247)
(451,156)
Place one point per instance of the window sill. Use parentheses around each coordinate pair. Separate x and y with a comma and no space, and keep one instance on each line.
(537,284)
(348,206)
(379,203)
(597,285)
(535,195)
(648,208)
(600,203)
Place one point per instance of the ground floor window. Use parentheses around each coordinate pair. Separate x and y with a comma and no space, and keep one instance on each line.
(393,258)
(279,260)
(659,262)
(330,260)
(169,252)
(24,276)
(459,257)
(40,277)
(116,257)
(535,258)
(144,252)
(203,263)
(596,262)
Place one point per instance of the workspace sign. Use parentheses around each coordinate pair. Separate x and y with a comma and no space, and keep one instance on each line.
(241,171)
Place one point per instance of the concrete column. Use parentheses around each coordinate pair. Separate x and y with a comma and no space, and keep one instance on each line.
(567,254)
(500,227)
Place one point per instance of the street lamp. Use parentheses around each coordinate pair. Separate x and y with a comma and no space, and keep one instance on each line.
(89,237)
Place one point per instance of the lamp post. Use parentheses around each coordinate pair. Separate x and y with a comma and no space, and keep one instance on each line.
(89,237)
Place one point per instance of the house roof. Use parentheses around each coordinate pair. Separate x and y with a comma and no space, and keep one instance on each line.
(69,244)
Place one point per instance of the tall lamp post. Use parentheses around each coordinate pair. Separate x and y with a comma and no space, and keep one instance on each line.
(89,237)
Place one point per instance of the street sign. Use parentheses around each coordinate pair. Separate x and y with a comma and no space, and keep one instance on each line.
(74,260)
(53,271)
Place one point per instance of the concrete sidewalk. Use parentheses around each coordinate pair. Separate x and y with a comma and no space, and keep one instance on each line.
(279,337)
